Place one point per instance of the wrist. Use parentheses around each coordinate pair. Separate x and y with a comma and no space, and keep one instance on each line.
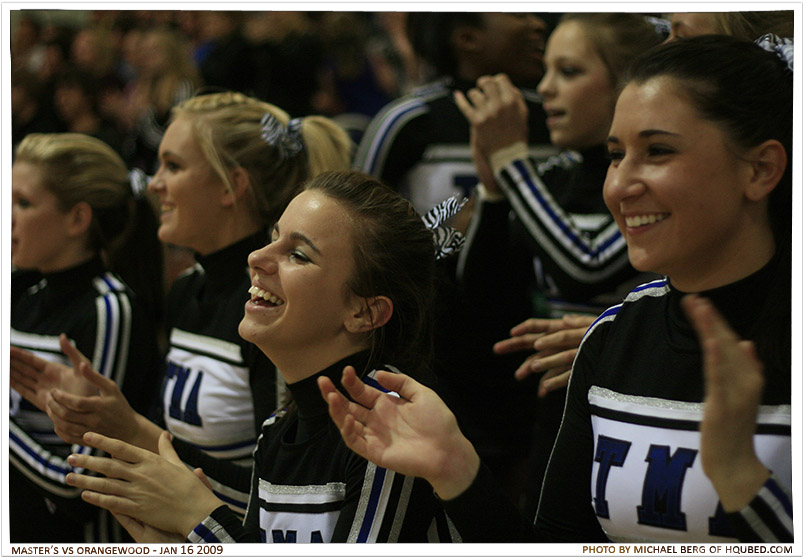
(738,486)
(499,158)
(198,513)
(146,434)
(458,470)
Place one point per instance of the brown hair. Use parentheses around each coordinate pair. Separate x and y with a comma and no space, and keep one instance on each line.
(394,257)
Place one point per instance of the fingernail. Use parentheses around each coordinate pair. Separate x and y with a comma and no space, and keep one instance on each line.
(536,365)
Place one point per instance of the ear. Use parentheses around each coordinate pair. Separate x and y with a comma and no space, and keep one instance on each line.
(768,162)
(79,218)
(466,38)
(240,187)
(371,313)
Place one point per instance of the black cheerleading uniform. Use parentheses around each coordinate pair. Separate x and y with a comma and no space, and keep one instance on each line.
(307,486)
(548,247)
(625,465)
(557,211)
(217,388)
(419,144)
(100,315)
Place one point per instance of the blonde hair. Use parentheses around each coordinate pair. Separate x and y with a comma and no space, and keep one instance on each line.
(228,129)
(78,168)
(167,84)
(750,26)
(618,38)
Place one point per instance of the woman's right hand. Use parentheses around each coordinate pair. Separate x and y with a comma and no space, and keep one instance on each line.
(107,412)
(413,433)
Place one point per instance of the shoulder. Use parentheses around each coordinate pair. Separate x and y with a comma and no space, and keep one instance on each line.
(413,104)
(639,298)
(190,278)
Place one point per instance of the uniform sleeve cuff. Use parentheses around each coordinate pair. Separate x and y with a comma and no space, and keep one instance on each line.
(502,157)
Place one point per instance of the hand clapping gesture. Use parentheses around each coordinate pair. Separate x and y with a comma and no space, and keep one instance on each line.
(155,491)
(414,434)
(498,116)
(733,392)
(35,378)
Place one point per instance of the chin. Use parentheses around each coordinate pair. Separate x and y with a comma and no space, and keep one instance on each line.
(247,331)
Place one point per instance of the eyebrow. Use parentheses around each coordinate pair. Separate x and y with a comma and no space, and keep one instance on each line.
(644,134)
(299,237)
(168,153)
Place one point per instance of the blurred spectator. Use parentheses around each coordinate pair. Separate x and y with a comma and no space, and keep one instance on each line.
(222,53)
(356,80)
(287,54)
(27,50)
(30,112)
(77,102)
(166,76)
(95,51)
(400,52)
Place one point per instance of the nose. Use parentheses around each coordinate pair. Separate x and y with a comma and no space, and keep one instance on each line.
(156,184)
(546,86)
(263,261)
(623,181)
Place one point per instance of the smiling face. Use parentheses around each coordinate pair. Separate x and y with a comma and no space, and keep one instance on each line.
(300,300)
(677,189)
(40,230)
(189,191)
(578,92)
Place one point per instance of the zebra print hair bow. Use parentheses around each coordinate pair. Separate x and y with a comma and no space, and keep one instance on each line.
(138,181)
(286,139)
(446,240)
(781,47)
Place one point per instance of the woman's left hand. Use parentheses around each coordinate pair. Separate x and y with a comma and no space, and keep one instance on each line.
(158,490)
(733,392)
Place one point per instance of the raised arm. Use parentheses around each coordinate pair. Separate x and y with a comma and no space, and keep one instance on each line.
(582,251)
(733,392)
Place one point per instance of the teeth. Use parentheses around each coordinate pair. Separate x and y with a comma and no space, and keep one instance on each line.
(640,220)
(265,295)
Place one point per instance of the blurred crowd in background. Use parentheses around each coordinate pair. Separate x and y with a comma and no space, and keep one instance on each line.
(116,74)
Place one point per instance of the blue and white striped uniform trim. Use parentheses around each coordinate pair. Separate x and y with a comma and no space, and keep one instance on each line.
(34,428)
(770,514)
(587,255)
(386,125)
